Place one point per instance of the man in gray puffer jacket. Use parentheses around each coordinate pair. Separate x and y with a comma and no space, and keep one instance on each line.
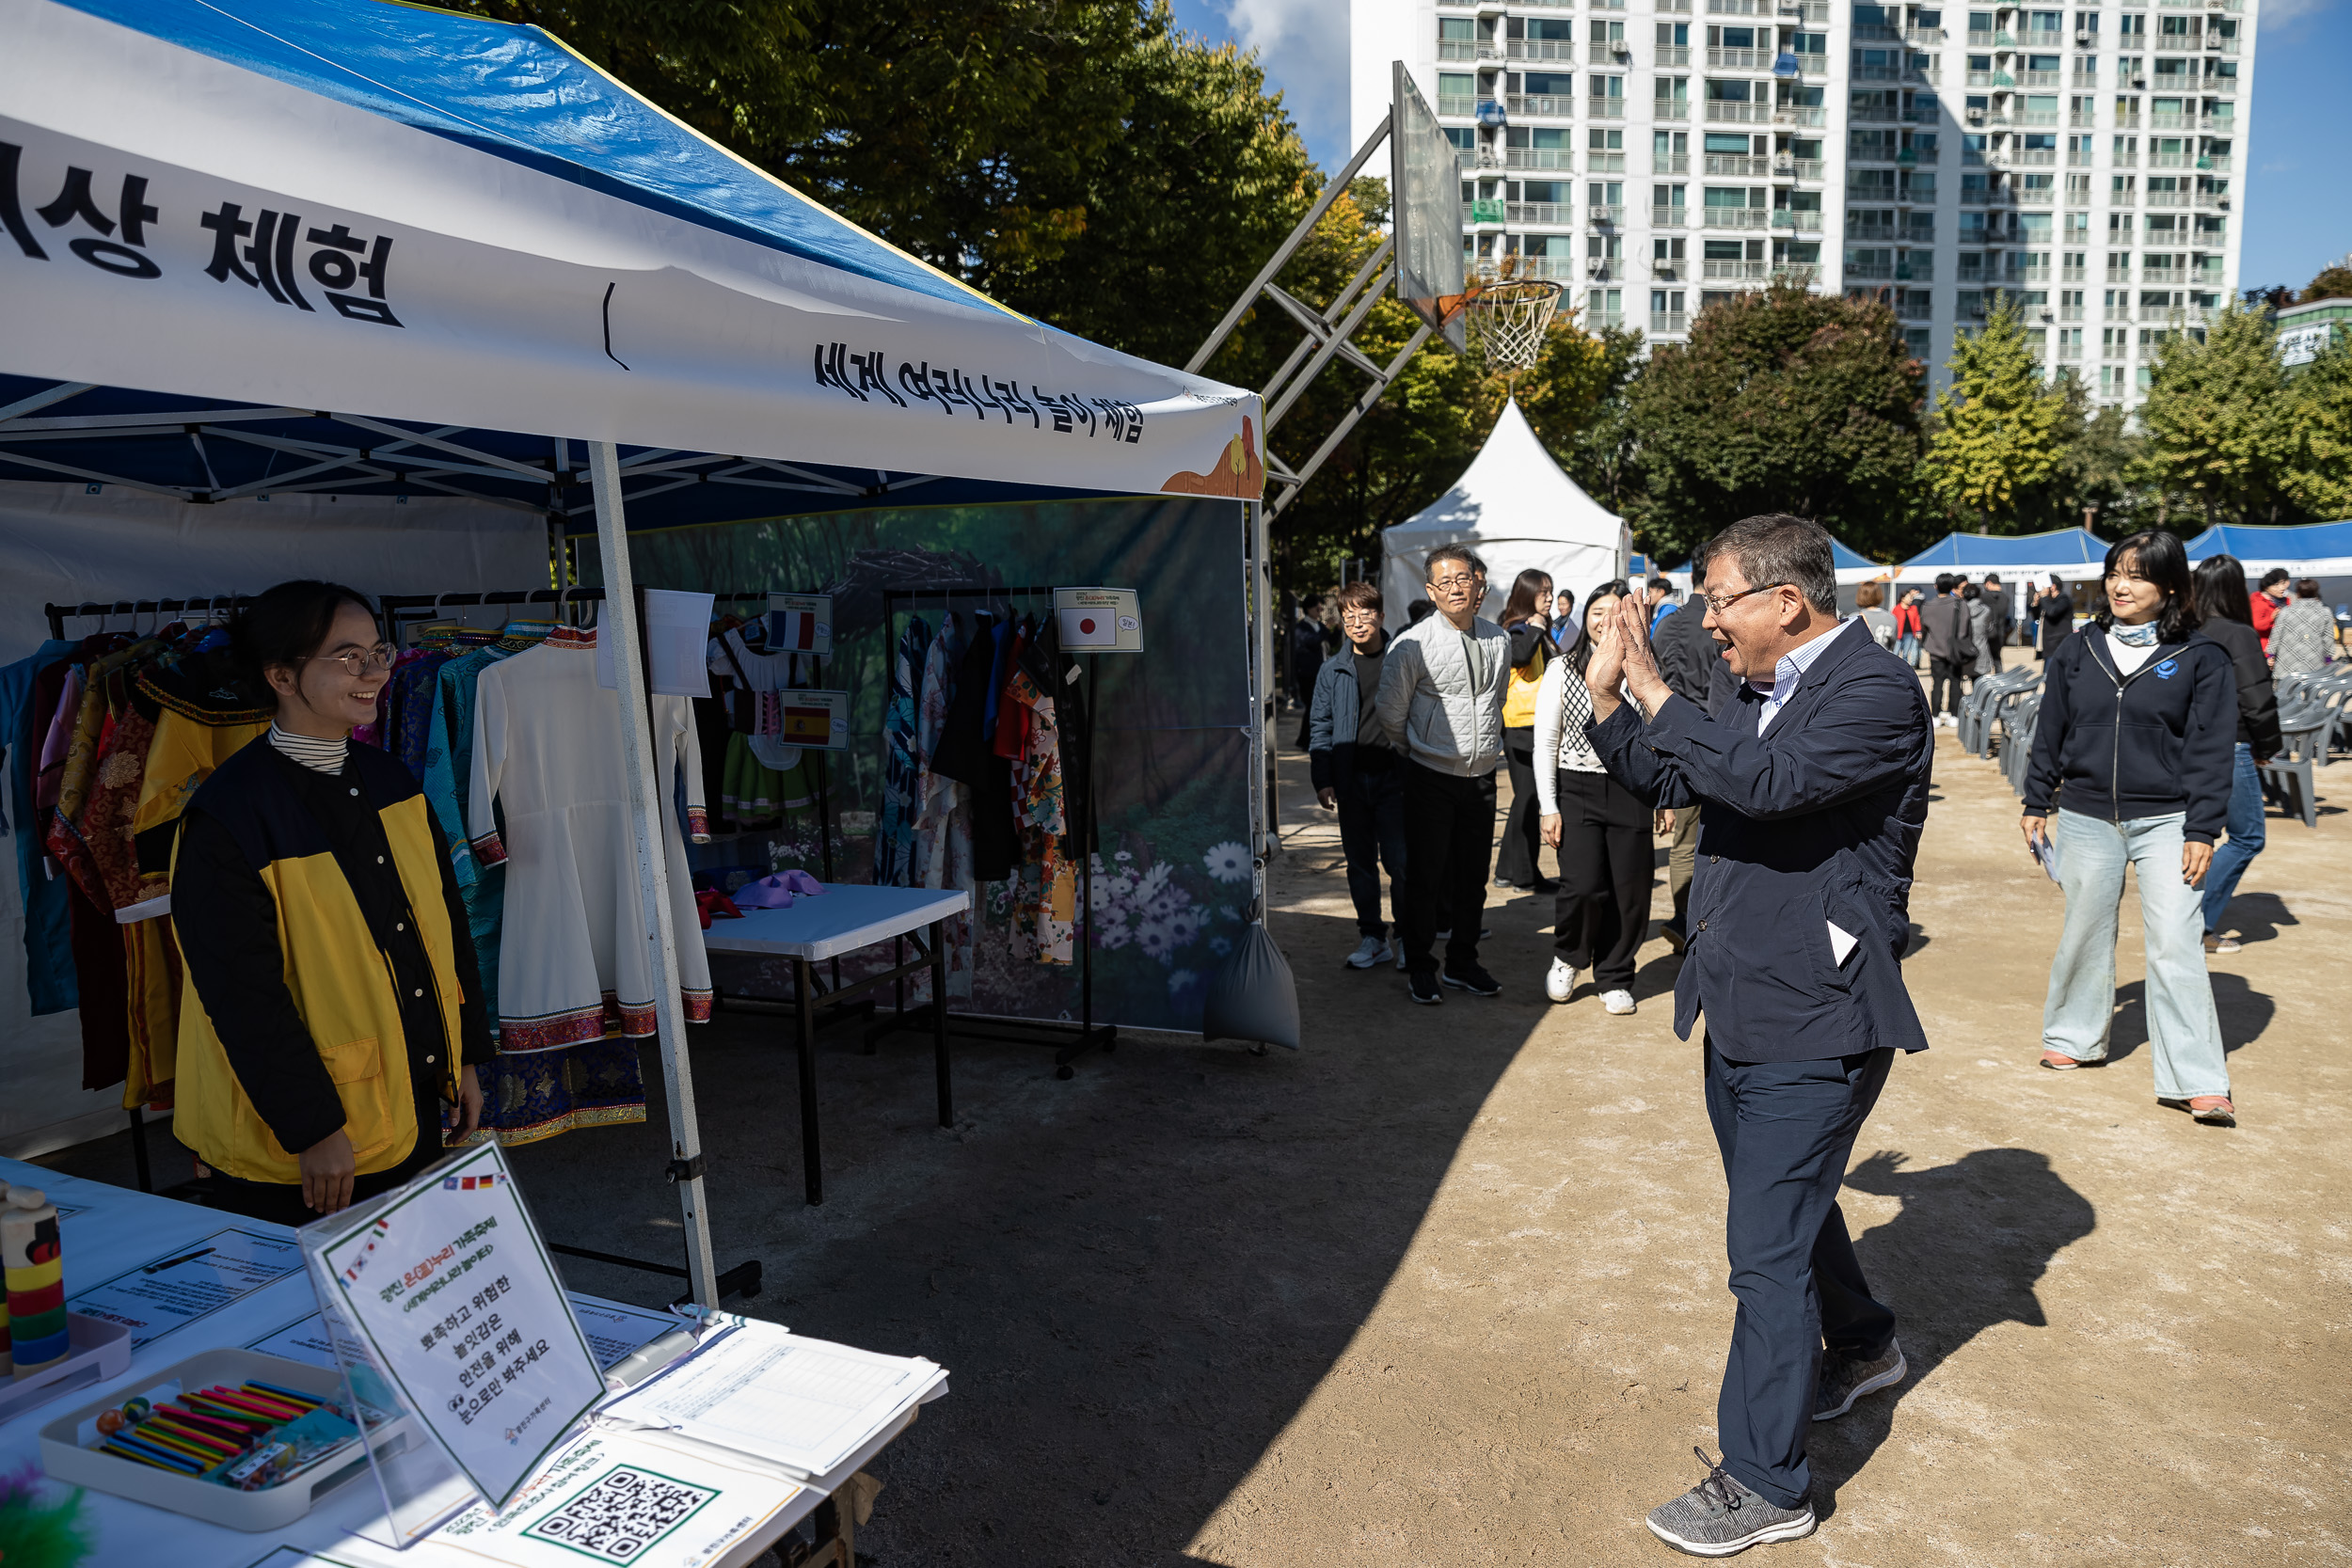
(1440,706)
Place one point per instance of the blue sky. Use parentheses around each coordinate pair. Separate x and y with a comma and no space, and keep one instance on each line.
(2298,180)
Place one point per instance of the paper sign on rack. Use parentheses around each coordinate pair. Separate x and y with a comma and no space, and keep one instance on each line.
(1098,620)
(800,623)
(461,1309)
(676,629)
(189,1282)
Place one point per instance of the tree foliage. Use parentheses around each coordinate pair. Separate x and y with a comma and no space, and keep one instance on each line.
(2332,283)
(2319,471)
(1782,401)
(1998,437)
(2219,422)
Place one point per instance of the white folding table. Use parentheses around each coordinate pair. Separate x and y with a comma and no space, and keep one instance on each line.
(106,1229)
(842,919)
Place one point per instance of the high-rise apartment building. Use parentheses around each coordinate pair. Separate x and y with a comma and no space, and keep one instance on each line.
(1655,155)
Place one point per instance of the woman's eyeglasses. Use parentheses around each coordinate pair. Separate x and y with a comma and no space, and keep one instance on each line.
(366,663)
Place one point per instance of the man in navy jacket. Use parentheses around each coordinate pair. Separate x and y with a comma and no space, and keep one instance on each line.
(1811,759)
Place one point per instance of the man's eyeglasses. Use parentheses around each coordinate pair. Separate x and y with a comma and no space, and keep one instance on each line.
(377,658)
(1447,585)
(1720,602)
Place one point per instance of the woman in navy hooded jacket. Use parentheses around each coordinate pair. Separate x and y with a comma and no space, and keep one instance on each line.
(2135,745)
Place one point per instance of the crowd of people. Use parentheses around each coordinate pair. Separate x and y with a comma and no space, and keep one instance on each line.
(1790,766)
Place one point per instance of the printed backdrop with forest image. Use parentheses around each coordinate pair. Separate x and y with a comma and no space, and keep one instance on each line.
(1172,872)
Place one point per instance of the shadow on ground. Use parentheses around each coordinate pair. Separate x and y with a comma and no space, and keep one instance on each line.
(2245,1014)
(1972,1242)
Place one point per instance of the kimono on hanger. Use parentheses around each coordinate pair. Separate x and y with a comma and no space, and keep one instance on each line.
(893,834)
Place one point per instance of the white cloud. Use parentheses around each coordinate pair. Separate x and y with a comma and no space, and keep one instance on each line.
(1303,46)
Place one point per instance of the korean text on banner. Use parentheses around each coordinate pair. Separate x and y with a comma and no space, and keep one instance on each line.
(454,1293)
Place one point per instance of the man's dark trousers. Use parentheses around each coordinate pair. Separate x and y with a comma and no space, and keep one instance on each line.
(1369,783)
(1785,1130)
(1449,838)
(1942,670)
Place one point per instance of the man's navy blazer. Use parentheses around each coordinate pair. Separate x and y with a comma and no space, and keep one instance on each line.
(1816,820)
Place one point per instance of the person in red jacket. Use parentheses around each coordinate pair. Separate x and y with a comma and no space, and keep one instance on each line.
(2266,600)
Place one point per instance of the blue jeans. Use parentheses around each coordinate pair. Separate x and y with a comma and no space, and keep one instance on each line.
(2183,1029)
(2245,842)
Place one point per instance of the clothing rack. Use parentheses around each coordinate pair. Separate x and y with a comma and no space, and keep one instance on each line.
(1069,1041)
(59,613)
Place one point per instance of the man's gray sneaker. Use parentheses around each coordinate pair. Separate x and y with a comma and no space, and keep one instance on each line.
(1370,953)
(1719,1517)
(1846,1377)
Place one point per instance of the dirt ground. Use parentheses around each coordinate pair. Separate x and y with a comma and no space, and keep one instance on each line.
(1448,1286)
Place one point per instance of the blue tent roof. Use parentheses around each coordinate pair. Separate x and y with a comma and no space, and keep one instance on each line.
(1845,560)
(518,93)
(1968,552)
(2304,542)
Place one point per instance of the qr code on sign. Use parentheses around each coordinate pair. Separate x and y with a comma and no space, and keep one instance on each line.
(623,1514)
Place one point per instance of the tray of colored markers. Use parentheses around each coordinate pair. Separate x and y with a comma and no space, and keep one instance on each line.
(232,1436)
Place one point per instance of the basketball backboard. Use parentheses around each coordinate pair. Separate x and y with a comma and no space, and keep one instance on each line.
(1425,190)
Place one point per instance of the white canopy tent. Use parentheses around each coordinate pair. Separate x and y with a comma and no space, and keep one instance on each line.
(1516,508)
(364,248)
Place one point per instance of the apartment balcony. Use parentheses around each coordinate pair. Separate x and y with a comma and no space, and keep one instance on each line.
(1803,223)
(2125,196)
(1998,197)
(1670,272)
(1666,217)
(2080,121)
(2212,199)
(1863,270)
(1605,162)
(1741,59)
(1738,8)
(1871,234)
(1542,106)
(2071,275)
(1607,320)
(1542,49)
(2175,160)
(1857,191)
(1462,49)
(1738,114)
(2038,78)
(1800,114)
(1914,310)
(1919,269)
(2070,351)
(1668,321)
(1871,32)
(1555,214)
(1605,108)
(2115,351)
(1745,168)
(2078,159)
(1873,115)
(1672,162)
(2037,196)
(2032,157)
(1735,217)
(2164,277)
(1718,272)
(2085,75)
(1978,39)
(1539,157)
(2218,163)
(1804,10)
(1930,35)
(1878,73)
(2188,315)
(1918,114)
(1800,169)
(1675,54)
(2168,198)
(1990,79)
(1555,269)
(1678,7)
(1670,108)
(2031,119)
(1464,105)
(2040,273)
(2070,312)
(2181,43)
(1603,216)
(2220,46)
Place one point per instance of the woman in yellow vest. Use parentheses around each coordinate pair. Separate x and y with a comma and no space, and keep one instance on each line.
(330,1003)
(1527,616)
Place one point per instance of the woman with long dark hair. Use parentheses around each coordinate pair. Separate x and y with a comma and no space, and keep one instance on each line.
(2132,748)
(1527,616)
(330,1002)
(1600,828)
(2228,619)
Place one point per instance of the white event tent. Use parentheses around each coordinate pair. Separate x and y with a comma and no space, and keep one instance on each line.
(1516,508)
(360,249)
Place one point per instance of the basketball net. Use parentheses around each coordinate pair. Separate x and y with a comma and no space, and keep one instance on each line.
(1507,320)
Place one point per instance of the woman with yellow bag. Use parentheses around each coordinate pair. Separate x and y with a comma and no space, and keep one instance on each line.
(1527,616)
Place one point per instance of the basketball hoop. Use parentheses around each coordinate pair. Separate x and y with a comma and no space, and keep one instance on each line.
(1508,320)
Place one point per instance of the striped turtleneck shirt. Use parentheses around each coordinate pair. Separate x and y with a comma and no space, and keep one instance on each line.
(319,756)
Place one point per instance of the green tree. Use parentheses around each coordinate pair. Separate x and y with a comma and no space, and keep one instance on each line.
(1998,436)
(2332,283)
(2319,474)
(2095,475)
(1782,401)
(2219,422)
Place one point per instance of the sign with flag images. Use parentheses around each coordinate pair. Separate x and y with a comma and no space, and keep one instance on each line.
(819,719)
(800,623)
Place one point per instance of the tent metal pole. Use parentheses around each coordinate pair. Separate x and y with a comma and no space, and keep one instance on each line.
(1264,820)
(648,799)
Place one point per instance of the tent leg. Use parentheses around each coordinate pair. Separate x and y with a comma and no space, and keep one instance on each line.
(1266,832)
(649,801)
